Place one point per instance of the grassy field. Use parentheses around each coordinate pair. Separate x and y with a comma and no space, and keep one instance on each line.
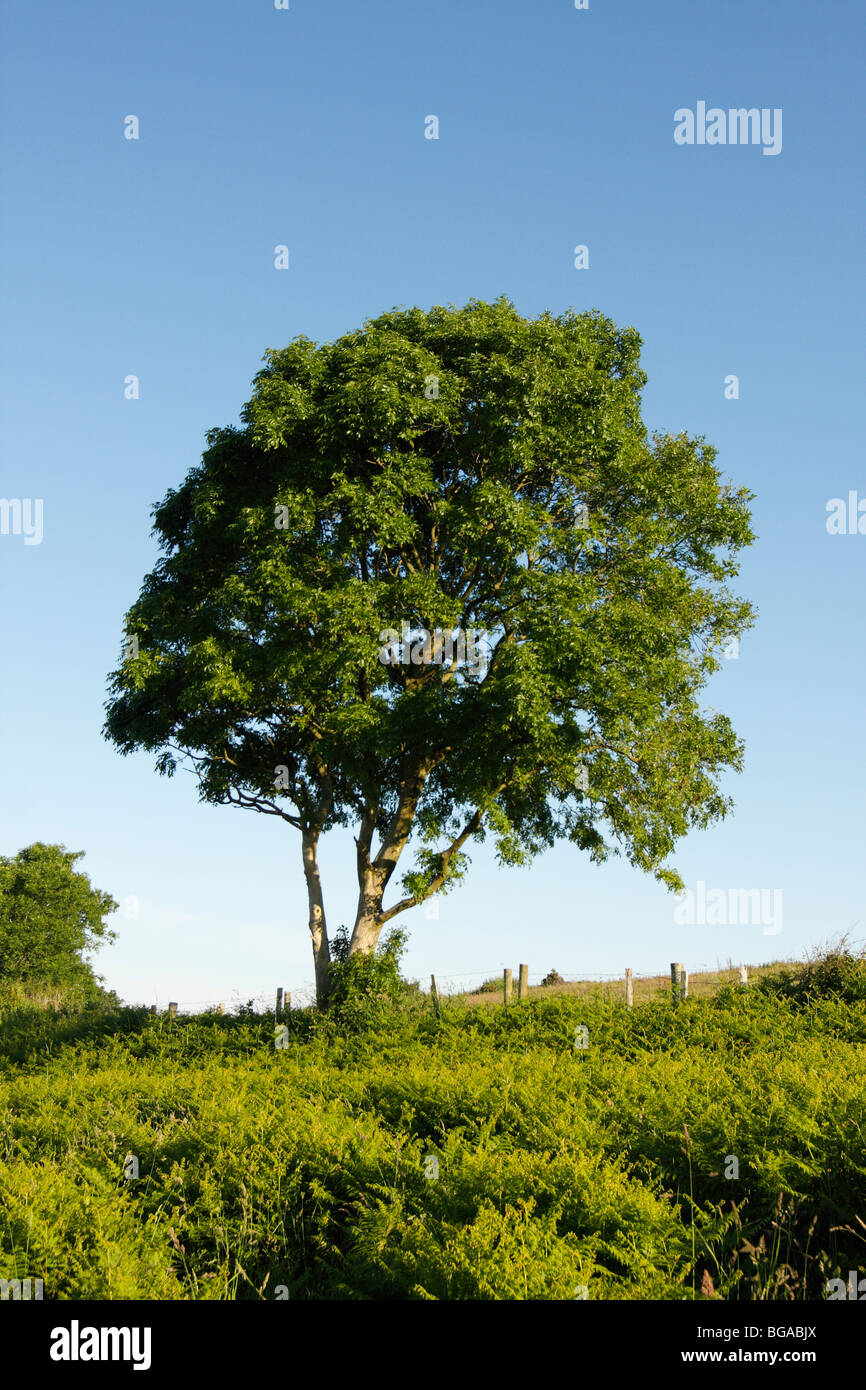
(647,988)
(563,1148)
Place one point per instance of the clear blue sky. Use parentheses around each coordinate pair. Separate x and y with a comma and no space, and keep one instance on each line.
(306,127)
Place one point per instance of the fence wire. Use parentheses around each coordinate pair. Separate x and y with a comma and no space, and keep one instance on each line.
(303,995)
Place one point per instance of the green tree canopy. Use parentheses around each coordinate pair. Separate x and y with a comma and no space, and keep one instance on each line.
(49,916)
(436,472)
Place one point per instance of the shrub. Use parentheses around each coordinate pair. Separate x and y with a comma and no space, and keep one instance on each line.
(836,972)
(491,986)
(364,989)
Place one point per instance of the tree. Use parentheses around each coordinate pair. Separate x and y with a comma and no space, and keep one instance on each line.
(49,915)
(301,645)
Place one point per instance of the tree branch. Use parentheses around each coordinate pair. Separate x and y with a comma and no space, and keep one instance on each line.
(472,825)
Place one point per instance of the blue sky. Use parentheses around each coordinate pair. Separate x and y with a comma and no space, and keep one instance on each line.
(305,127)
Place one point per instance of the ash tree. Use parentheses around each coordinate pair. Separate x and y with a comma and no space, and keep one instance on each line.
(298,645)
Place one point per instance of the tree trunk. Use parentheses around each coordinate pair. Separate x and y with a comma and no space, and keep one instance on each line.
(373,877)
(318,927)
(368,918)
(365,935)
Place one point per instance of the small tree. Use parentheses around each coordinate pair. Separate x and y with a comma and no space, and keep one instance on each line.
(386,497)
(49,916)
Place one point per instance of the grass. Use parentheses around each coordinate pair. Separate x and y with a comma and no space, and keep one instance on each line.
(710,1150)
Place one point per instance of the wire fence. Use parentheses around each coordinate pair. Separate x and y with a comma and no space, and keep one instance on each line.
(305,994)
(448,984)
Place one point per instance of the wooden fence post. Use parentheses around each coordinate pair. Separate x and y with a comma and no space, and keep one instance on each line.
(221,1008)
(523,982)
(172,1010)
(287,1000)
(684,985)
(434,994)
(677,968)
(506,987)
(278,1013)
(744,975)
(629,990)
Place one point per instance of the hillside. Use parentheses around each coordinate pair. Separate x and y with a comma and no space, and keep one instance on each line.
(565,1147)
